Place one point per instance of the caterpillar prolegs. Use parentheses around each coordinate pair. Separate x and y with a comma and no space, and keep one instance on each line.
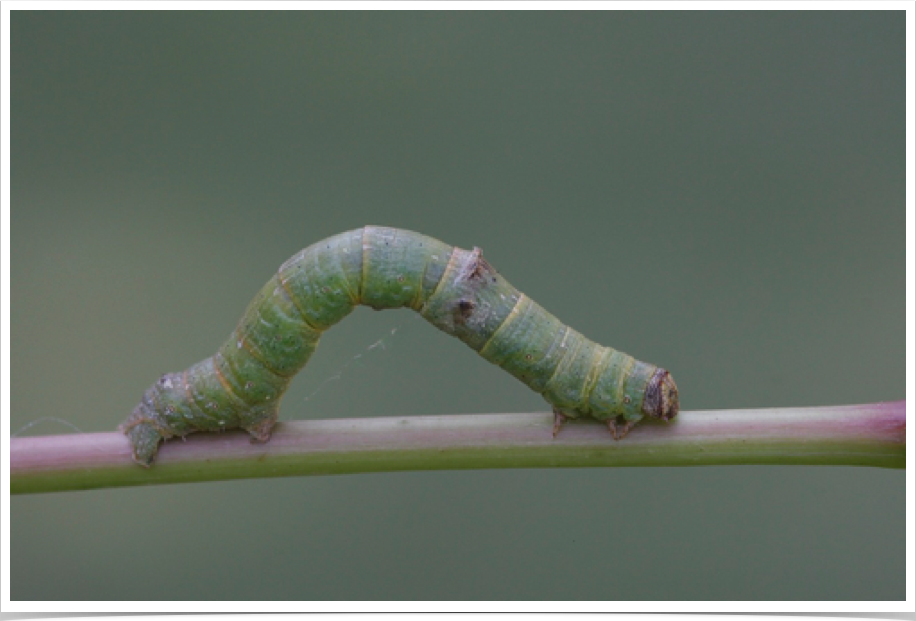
(455,290)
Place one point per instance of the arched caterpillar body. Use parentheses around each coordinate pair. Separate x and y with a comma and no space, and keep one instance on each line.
(455,290)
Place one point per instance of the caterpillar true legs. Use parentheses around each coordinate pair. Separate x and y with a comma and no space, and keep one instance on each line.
(455,290)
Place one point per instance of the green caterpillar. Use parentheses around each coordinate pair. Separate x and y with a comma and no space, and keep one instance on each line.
(455,290)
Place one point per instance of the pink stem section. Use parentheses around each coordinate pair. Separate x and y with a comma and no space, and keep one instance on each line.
(851,435)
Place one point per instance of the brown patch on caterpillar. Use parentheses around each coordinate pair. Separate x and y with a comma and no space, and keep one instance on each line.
(661,400)
(463,311)
(478,267)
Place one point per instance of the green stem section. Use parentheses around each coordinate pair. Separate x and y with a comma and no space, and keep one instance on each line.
(857,435)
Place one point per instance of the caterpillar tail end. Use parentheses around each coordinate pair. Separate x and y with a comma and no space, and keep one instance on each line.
(144,438)
(661,401)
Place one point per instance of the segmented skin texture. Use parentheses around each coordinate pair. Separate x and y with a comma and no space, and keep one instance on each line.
(455,290)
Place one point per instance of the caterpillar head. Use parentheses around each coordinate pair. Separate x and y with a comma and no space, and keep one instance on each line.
(661,400)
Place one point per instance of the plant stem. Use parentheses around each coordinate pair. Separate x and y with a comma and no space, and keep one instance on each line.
(851,435)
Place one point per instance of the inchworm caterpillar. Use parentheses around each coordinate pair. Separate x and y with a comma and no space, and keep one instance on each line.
(455,290)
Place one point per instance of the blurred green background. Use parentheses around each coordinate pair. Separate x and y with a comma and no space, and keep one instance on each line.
(721,193)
